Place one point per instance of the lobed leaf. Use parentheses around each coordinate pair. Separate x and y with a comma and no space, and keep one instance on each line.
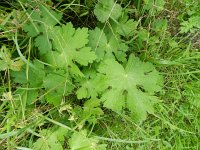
(106,9)
(69,45)
(41,21)
(107,47)
(132,87)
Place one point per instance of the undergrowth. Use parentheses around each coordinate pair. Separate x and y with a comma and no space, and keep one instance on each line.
(95,75)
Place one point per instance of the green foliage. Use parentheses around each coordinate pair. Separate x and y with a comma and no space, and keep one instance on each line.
(80,141)
(190,25)
(51,139)
(154,6)
(107,47)
(33,77)
(60,86)
(41,21)
(107,9)
(131,86)
(77,64)
(93,71)
(6,62)
(190,19)
(191,92)
(68,50)
(125,26)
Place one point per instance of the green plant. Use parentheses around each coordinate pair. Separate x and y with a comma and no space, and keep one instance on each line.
(69,49)
(190,17)
(96,75)
(80,62)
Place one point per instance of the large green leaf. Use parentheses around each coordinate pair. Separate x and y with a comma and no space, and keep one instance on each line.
(132,87)
(70,49)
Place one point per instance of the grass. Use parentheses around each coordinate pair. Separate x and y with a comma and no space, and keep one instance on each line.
(175,124)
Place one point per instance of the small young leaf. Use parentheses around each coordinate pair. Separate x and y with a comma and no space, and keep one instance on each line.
(143,35)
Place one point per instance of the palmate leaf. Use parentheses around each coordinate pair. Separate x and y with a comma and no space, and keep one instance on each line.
(131,87)
(90,88)
(106,9)
(69,45)
(124,26)
(91,111)
(41,21)
(91,85)
(106,47)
